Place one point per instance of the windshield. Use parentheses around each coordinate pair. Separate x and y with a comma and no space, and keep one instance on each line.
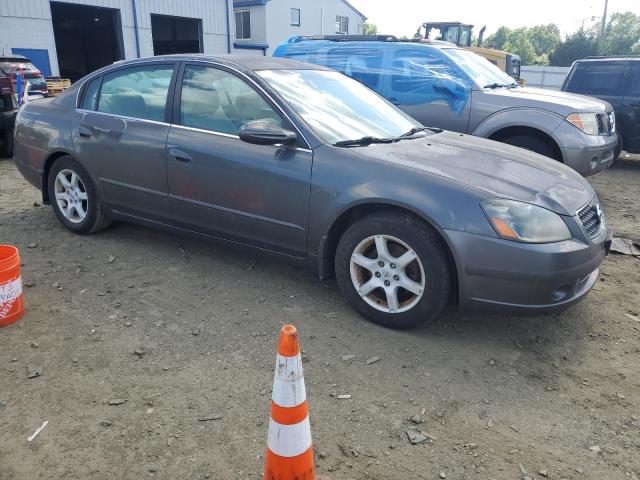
(479,69)
(336,107)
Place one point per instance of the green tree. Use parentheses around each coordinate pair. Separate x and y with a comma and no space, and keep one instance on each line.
(622,34)
(519,43)
(578,45)
(369,28)
(545,38)
(498,39)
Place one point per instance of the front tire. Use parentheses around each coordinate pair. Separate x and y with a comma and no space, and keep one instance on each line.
(394,269)
(75,198)
(533,144)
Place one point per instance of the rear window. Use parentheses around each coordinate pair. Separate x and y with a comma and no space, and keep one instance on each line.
(597,78)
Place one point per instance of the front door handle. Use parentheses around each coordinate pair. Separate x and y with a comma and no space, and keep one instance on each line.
(635,104)
(180,156)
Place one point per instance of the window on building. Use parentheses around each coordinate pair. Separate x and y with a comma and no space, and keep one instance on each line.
(243,24)
(342,24)
(295,17)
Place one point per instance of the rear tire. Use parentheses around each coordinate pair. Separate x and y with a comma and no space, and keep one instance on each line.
(533,144)
(398,250)
(75,199)
(6,149)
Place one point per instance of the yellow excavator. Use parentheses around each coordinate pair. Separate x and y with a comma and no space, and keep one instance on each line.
(460,34)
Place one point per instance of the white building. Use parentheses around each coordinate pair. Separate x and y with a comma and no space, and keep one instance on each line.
(74,37)
(261,25)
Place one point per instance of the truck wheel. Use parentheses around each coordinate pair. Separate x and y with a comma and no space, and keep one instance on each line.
(394,269)
(533,144)
(74,197)
(6,148)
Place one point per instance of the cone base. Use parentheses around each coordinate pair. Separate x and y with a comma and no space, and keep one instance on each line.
(289,468)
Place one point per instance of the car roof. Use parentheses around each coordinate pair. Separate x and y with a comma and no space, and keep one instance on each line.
(249,62)
(341,41)
(613,58)
(13,58)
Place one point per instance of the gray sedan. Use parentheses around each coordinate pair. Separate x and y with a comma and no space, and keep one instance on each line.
(307,163)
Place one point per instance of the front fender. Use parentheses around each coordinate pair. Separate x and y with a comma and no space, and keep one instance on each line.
(542,120)
(442,202)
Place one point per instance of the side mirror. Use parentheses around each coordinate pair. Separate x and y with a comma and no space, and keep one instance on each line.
(266,132)
(449,86)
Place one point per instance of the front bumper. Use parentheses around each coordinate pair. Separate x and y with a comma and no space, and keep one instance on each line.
(501,276)
(587,154)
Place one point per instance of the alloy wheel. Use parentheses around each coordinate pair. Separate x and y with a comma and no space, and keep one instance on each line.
(71,196)
(387,273)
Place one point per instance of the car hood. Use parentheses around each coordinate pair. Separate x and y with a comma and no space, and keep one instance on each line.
(500,170)
(554,100)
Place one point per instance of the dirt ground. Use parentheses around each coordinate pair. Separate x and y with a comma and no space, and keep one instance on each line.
(182,331)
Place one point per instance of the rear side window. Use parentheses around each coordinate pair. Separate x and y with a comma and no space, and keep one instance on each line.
(597,78)
(138,92)
(90,95)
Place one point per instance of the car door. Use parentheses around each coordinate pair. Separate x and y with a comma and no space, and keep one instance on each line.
(426,86)
(222,186)
(120,133)
(629,116)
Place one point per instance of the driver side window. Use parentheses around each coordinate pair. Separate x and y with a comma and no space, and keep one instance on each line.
(218,101)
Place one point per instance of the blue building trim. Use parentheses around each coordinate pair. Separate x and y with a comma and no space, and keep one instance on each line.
(228,26)
(249,3)
(135,27)
(252,46)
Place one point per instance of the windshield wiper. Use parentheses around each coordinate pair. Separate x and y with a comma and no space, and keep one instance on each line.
(364,141)
(415,130)
(493,86)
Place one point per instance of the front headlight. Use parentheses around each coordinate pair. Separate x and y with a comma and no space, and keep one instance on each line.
(523,222)
(587,122)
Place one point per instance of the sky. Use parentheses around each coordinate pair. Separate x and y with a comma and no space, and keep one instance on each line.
(402,17)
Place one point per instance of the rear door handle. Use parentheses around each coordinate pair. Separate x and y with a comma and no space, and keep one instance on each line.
(180,156)
(84,132)
(635,104)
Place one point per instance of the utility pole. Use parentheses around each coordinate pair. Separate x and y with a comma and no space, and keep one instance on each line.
(603,25)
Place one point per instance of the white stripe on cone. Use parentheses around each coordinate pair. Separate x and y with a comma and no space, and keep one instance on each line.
(289,440)
(288,382)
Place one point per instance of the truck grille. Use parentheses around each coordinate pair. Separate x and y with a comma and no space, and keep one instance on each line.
(591,219)
(606,123)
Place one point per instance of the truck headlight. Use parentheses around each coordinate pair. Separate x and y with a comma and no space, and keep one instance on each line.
(587,122)
(523,222)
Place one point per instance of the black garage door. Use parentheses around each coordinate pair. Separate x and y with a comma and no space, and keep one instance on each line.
(176,35)
(87,38)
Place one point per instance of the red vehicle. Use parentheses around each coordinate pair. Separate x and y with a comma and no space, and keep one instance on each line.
(17,63)
(10,67)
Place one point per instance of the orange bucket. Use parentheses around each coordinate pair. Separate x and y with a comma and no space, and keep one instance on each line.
(11,298)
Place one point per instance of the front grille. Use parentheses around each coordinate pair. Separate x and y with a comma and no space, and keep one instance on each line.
(591,219)
(606,123)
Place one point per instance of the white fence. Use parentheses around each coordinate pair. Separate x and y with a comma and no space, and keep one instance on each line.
(544,77)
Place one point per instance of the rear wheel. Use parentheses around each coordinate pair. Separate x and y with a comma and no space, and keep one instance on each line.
(394,270)
(74,197)
(533,144)
(6,143)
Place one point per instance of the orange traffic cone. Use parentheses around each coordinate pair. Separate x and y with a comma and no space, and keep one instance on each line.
(289,448)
